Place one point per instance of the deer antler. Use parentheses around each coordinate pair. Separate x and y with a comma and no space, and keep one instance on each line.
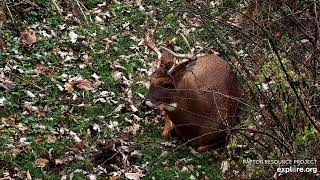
(184,56)
(151,42)
(190,56)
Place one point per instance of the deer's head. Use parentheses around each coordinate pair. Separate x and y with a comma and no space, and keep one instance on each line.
(164,79)
(168,72)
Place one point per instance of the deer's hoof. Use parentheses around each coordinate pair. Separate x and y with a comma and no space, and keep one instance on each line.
(203,148)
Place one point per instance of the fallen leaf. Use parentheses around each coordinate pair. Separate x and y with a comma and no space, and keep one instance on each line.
(24,141)
(98,19)
(5,83)
(114,177)
(51,139)
(40,68)
(39,139)
(10,119)
(73,36)
(125,136)
(28,38)
(2,100)
(116,74)
(92,177)
(68,87)
(28,176)
(21,127)
(84,84)
(136,154)
(15,151)
(75,137)
(30,94)
(95,76)
(43,70)
(41,162)
(87,59)
(2,45)
(134,176)
(225,165)
(133,108)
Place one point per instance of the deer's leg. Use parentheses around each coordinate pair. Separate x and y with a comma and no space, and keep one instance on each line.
(168,127)
(204,148)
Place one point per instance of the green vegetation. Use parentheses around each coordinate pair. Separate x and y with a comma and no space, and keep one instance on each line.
(44,125)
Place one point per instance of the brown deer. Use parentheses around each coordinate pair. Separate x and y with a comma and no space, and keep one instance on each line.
(199,96)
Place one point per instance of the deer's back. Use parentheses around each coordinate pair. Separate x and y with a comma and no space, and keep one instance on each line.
(203,100)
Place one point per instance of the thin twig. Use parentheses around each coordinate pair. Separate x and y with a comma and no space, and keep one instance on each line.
(11,16)
(57,7)
(40,88)
(23,1)
(82,12)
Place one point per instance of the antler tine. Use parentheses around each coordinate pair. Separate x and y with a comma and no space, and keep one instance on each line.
(186,41)
(189,56)
(185,56)
(150,41)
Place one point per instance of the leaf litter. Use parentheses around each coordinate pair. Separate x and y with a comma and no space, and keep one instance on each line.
(71,67)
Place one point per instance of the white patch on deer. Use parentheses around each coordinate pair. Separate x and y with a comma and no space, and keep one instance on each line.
(171,106)
(149,103)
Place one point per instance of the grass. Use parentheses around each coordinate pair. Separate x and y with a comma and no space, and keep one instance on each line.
(57,110)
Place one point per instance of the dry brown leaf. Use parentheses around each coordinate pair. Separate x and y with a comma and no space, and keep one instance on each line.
(41,162)
(51,139)
(41,69)
(15,151)
(84,84)
(39,139)
(150,40)
(5,83)
(87,59)
(21,127)
(125,136)
(11,119)
(65,160)
(116,74)
(134,176)
(68,87)
(2,45)
(114,177)
(28,38)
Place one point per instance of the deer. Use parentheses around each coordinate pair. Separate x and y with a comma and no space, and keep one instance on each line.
(198,95)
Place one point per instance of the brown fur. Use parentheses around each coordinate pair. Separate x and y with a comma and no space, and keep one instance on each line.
(200,91)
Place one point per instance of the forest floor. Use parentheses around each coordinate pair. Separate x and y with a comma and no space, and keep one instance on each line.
(72,91)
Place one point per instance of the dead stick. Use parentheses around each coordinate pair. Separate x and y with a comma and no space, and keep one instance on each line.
(82,12)
(57,7)
(11,16)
